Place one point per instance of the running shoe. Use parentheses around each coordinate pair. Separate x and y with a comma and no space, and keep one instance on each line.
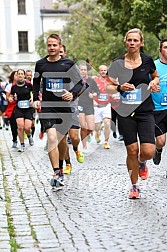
(31,141)
(7,127)
(68,140)
(114,134)
(120,138)
(79,156)
(14,144)
(41,135)
(0,126)
(89,139)
(97,137)
(106,145)
(61,174)
(134,192)
(85,151)
(143,171)
(165,174)
(46,146)
(157,157)
(22,148)
(57,180)
(68,169)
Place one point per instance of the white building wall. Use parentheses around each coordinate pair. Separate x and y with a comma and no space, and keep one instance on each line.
(56,22)
(2,27)
(11,23)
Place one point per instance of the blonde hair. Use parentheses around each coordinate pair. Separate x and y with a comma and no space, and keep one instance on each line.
(135,30)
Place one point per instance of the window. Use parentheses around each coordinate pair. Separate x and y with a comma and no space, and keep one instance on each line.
(23,41)
(21,7)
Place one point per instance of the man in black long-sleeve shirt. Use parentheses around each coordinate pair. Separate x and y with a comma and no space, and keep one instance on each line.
(62,83)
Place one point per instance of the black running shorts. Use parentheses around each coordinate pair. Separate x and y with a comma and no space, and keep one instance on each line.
(138,125)
(160,122)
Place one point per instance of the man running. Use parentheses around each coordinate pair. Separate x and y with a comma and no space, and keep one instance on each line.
(62,83)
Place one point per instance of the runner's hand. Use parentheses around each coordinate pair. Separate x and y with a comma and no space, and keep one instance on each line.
(152,86)
(127,87)
(67,96)
(155,89)
(36,104)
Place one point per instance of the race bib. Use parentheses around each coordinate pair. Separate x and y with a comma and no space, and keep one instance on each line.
(23,104)
(80,108)
(132,97)
(164,99)
(117,96)
(103,97)
(5,102)
(54,85)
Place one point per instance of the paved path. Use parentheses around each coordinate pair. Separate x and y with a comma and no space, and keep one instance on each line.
(91,214)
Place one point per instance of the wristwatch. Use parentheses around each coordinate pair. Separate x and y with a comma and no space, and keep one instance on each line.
(119,88)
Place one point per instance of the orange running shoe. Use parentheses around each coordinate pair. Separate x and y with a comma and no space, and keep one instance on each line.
(143,171)
(41,135)
(134,192)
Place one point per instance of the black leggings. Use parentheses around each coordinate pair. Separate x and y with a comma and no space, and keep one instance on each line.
(114,120)
(13,126)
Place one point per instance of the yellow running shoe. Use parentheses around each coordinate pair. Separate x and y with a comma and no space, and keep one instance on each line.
(67,169)
(79,156)
(106,145)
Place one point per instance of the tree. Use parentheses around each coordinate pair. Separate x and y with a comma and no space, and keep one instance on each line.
(95,30)
(148,15)
(86,36)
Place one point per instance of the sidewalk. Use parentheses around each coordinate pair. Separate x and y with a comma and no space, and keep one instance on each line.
(91,213)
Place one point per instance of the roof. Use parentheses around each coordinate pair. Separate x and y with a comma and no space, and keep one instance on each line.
(49,5)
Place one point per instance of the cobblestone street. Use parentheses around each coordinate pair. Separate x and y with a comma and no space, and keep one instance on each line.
(91,214)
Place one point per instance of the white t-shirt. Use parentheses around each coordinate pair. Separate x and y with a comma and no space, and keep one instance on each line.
(8,88)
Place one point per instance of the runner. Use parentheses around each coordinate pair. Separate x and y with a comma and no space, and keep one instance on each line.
(29,76)
(62,83)
(21,92)
(85,105)
(102,104)
(73,133)
(3,106)
(10,111)
(131,77)
(160,103)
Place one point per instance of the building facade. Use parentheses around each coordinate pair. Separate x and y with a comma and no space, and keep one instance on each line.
(22,22)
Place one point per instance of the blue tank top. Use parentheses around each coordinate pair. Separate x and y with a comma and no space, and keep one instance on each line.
(160,98)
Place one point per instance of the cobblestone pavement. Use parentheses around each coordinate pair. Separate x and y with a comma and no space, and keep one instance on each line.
(91,213)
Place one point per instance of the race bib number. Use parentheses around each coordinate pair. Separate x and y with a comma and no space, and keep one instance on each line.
(24,104)
(54,85)
(103,97)
(132,97)
(5,102)
(164,99)
(117,96)
(80,108)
